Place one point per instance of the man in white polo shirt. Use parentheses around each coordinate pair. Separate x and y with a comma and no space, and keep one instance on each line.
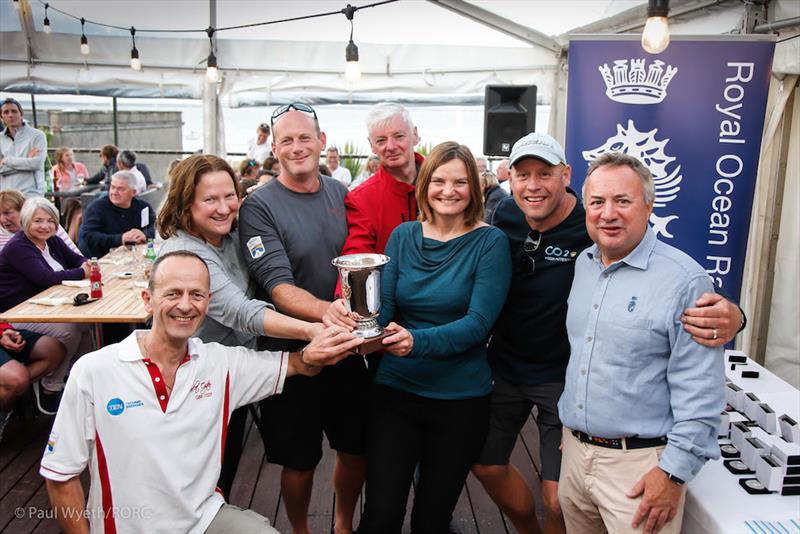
(150,415)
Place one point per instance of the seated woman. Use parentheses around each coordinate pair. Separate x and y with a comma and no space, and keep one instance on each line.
(32,261)
(11,202)
(24,357)
(446,283)
(199,215)
(68,174)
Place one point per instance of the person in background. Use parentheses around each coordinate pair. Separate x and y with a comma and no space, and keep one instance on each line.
(482,164)
(199,215)
(258,148)
(446,283)
(337,172)
(370,168)
(68,173)
(248,169)
(108,162)
(32,261)
(114,220)
(23,150)
(73,216)
(272,165)
(492,194)
(155,467)
(25,356)
(11,202)
(504,176)
(126,161)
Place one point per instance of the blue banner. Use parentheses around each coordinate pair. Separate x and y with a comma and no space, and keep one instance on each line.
(694,115)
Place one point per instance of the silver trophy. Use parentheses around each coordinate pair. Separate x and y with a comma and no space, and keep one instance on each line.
(361,288)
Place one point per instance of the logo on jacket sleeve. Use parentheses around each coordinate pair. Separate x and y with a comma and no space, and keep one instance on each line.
(256,247)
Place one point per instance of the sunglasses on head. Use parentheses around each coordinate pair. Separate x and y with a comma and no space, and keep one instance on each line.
(296,106)
(531,245)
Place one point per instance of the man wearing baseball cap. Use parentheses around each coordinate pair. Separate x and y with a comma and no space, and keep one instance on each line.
(529,348)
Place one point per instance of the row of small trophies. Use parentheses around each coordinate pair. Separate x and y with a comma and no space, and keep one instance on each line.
(761,443)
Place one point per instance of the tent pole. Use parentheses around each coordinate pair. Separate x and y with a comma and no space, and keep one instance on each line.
(114,119)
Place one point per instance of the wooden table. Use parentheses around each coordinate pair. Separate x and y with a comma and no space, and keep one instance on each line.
(121,302)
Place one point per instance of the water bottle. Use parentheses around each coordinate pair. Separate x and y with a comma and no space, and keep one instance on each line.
(151,251)
(95,278)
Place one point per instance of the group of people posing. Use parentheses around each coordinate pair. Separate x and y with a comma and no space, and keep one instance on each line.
(615,340)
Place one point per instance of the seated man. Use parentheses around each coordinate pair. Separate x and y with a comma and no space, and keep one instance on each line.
(126,161)
(25,356)
(149,415)
(114,220)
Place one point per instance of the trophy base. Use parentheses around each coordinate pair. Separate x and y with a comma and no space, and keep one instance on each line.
(372,344)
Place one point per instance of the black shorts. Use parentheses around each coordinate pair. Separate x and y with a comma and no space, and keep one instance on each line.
(511,406)
(334,402)
(23,356)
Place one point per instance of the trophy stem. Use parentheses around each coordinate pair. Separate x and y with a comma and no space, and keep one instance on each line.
(367,328)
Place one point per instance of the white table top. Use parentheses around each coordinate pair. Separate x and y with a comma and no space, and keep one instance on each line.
(716,503)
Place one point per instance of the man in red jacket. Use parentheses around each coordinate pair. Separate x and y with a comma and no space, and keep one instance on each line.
(386,199)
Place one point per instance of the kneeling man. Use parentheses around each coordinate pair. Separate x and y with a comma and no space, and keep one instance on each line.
(150,415)
(642,401)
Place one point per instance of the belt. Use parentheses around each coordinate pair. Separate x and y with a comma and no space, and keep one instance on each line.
(620,443)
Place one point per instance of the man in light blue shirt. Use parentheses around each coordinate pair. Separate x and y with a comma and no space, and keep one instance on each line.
(642,401)
(22,152)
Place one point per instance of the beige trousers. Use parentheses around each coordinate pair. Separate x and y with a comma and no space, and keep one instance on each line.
(593,484)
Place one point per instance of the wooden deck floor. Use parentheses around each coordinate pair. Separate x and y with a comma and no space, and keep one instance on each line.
(257,485)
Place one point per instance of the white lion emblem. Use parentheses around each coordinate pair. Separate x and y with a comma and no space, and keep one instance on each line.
(645,147)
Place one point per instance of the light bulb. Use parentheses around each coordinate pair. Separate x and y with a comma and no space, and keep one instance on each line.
(136,63)
(212,74)
(655,37)
(16,4)
(47,28)
(84,45)
(352,70)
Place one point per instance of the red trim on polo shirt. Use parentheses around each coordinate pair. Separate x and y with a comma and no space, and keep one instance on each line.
(160,387)
(59,472)
(225,408)
(109,524)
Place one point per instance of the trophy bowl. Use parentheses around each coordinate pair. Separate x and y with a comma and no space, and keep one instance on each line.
(361,288)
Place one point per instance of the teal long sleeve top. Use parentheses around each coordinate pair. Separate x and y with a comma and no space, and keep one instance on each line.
(448,295)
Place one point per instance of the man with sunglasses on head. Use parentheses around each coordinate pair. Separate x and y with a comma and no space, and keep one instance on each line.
(290,230)
(23,150)
(529,349)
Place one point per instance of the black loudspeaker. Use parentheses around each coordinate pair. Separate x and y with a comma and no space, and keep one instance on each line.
(509,113)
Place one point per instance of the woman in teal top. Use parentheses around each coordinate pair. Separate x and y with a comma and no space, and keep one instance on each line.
(444,287)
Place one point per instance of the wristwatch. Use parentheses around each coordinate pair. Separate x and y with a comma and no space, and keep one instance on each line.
(673,478)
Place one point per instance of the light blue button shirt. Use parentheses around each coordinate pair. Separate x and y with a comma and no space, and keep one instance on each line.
(633,369)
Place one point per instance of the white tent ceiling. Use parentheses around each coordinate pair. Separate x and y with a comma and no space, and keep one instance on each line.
(410,50)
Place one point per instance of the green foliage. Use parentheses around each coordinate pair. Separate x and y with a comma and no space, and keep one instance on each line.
(424,149)
(346,154)
(49,136)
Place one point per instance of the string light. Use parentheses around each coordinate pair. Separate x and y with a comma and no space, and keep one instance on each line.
(46,20)
(655,36)
(212,72)
(136,63)
(352,70)
(16,4)
(84,40)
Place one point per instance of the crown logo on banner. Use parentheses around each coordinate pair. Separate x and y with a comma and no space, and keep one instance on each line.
(631,84)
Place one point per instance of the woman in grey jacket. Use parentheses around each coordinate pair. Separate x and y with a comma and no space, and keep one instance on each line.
(199,215)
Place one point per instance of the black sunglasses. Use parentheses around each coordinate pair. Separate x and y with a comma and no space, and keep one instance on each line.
(531,245)
(296,106)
